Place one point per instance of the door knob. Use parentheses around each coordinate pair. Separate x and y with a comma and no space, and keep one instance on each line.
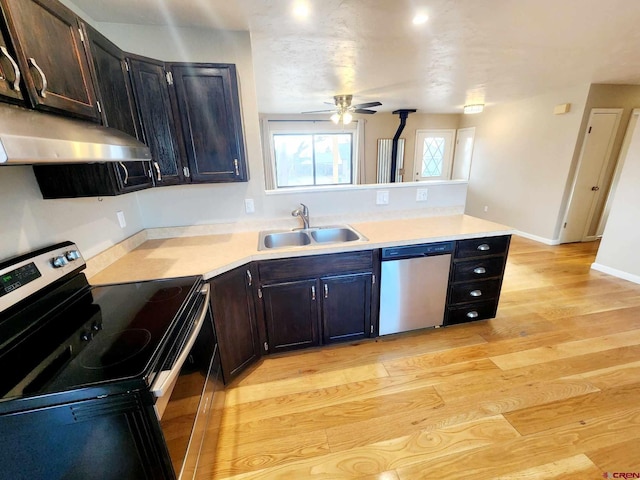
(595,189)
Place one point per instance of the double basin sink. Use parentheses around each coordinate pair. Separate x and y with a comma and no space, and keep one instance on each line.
(309,236)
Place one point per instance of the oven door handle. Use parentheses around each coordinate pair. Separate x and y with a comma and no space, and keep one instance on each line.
(165,378)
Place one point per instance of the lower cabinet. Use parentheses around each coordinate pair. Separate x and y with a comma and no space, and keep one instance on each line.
(346,307)
(233,307)
(320,299)
(476,279)
(291,314)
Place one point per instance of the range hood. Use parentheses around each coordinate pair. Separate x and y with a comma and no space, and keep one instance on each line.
(28,137)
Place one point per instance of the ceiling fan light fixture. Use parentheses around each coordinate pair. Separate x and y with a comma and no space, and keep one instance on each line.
(346,118)
(335,118)
(475,108)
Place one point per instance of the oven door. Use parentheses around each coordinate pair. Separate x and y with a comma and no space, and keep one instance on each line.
(183,394)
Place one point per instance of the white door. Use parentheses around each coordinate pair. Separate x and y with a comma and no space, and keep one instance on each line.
(434,153)
(463,153)
(590,175)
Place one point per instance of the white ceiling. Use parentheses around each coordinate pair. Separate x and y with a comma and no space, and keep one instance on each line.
(469,51)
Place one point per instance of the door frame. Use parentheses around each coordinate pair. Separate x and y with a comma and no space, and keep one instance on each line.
(448,154)
(624,150)
(608,158)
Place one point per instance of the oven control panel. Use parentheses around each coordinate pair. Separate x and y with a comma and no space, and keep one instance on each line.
(24,275)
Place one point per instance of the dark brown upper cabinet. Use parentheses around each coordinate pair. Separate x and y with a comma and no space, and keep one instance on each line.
(118,110)
(150,84)
(48,43)
(209,115)
(10,76)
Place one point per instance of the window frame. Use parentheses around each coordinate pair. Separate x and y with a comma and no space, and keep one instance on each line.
(314,161)
(310,126)
(450,137)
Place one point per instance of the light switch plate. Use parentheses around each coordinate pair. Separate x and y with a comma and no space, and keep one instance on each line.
(421,195)
(249,206)
(382,197)
(121,220)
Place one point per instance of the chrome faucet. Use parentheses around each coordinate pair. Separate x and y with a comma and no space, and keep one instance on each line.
(303,212)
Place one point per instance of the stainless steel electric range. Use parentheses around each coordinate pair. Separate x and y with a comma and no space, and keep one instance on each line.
(101,382)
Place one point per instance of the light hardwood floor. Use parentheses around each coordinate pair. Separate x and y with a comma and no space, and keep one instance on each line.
(550,388)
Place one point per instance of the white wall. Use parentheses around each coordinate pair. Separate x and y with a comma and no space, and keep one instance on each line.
(32,222)
(618,252)
(521,160)
(205,204)
(28,222)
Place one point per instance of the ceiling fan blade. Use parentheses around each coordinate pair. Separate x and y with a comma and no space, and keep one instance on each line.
(367,105)
(321,111)
(362,110)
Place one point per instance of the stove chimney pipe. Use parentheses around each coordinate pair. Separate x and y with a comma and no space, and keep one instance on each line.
(404,113)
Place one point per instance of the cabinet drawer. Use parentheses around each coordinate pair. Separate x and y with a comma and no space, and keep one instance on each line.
(477,247)
(471,312)
(474,291)
(287,269)
(478,269)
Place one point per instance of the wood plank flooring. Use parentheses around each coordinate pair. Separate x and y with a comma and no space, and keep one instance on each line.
(549,389)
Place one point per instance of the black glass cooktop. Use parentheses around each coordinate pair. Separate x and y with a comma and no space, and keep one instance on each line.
(106,333)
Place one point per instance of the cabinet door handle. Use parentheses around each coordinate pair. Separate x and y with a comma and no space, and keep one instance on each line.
(249,278)
(313,292)
(43,77)
(475,293)
(483,247)
(158,174)
(126,173)
(235,164)
(16,69)
(479,270)
(326,291)
(472,314)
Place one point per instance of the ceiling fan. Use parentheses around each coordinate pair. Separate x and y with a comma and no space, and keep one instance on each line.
(343,110)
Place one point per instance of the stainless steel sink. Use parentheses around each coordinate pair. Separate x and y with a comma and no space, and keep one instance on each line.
(309,236)
(334,235)
(285,239)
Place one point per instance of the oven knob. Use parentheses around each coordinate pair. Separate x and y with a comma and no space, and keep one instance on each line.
(86,336)
(72,255)
(59,261)
(96,326)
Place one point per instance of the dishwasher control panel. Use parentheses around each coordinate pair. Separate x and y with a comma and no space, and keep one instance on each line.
(413,251)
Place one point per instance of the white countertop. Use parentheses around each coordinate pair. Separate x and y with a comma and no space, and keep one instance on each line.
(211,255)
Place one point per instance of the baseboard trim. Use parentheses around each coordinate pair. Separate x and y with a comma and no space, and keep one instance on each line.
(536,238)
(615,272)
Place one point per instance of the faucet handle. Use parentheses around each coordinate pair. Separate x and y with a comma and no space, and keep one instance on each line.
(305,210)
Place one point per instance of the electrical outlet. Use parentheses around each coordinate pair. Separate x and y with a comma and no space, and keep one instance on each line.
(382,197)
(486,208)
(249,206)
(121,220)
(421,195)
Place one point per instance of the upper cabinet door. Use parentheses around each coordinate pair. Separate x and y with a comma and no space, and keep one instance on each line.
(10,76)
(209,112)
(115,93)
(160,134)
(49,48)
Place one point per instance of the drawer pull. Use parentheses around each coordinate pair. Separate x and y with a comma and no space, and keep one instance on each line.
(475,293)
(480,270)
(472,314)
(483,247)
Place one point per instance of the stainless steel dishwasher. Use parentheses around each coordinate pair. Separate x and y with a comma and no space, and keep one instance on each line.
(413,286)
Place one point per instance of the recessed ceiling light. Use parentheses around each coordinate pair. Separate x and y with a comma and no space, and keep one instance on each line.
(420,19)
(301,9)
